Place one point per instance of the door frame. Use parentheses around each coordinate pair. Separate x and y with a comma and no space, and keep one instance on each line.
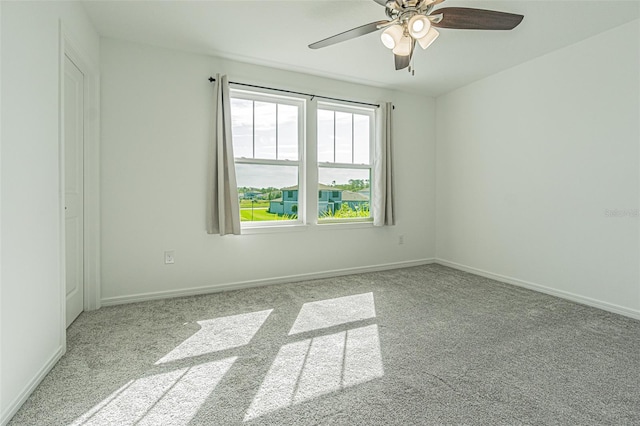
(91,174)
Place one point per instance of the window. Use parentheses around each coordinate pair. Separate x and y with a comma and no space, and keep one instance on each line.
(267,139)
(345,148)
(273,170)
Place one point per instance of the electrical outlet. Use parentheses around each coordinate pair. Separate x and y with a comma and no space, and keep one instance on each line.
(169,257)
(400,239)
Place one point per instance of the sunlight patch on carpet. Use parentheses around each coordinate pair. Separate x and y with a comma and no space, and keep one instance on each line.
(219,334)
(332,312)
(167,398)
(314,367)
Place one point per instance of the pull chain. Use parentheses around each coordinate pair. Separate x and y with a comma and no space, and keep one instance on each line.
(412,68)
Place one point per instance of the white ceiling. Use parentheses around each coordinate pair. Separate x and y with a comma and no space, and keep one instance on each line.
(276,33)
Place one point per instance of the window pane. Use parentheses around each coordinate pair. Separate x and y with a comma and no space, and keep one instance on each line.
(361,139)
(267,192)
(265,130)
(344,193)
(242,127)
(287,132)
(344,137)
(325,136)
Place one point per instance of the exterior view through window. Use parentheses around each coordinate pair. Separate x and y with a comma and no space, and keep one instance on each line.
(344,162)
(268,138)
(266,144)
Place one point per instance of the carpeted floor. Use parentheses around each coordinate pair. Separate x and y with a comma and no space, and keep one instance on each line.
(423,345)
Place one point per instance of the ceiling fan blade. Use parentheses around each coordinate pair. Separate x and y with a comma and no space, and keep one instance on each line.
(464,18)
(403,61)
(348,35)
(381,2)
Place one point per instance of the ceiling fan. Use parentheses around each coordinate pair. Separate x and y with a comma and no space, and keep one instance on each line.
(412,21)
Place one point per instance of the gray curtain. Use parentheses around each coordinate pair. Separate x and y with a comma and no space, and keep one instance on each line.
(383,204)
(223,210)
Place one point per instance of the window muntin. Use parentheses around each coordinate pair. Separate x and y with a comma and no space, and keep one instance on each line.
(345,163)
(267,143)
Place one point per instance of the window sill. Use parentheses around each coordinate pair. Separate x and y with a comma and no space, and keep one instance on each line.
(356,224)
(299,227)
(272,229)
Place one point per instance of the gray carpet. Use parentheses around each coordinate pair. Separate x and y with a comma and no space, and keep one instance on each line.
(423,345)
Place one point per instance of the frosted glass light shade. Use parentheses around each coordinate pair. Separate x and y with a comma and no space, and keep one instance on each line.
(391,36)
(403,48)
(388,41)
(419,26)
(431,36)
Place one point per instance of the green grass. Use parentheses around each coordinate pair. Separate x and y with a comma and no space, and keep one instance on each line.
(259,204)
(346,213)
(260,214)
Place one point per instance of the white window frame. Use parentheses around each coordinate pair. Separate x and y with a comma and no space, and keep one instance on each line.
(307,163)
(337,107)
(258,96)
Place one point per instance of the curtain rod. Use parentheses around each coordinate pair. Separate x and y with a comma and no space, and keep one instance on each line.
(211,79)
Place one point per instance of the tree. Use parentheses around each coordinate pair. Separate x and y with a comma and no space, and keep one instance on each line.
(356,184)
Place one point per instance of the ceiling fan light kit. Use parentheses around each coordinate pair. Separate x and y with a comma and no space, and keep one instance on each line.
(412,21)
(391,36)
(403,48)
(431,36)
(419,26)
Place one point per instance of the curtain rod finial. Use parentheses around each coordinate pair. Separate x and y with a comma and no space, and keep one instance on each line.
(211,79)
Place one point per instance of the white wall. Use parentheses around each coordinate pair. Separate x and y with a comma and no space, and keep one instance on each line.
(155,107)
(31,316)
(529,161)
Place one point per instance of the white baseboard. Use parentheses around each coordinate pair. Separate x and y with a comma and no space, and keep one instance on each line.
(632,313)
(141,297)
(15,405)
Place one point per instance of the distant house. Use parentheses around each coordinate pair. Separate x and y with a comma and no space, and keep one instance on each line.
(355,200)
(330,199)
(287,204)
(251,194)
(365,191)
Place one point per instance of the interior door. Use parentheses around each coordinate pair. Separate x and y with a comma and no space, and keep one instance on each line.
(74,154)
